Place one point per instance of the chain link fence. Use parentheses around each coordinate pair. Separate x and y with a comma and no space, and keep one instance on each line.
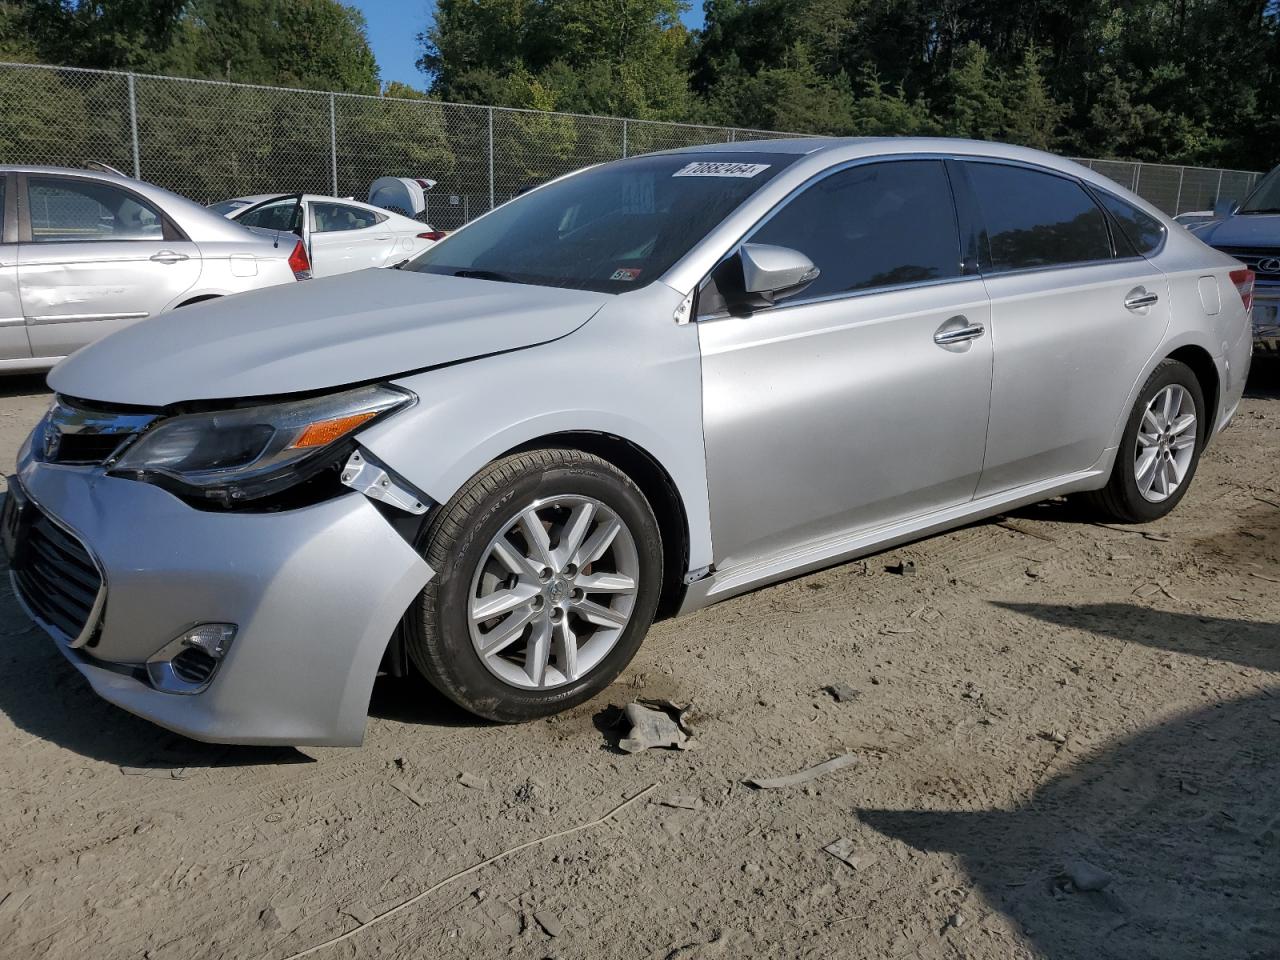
(210,141)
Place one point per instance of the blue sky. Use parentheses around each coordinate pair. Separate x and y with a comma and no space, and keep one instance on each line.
(394,26)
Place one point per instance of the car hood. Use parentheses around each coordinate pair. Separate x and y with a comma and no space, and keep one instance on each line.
(318,334)
(1248,230)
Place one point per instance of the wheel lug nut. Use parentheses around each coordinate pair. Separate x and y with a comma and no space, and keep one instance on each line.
(545,573)
(557,614)
(571,570)
(576,594)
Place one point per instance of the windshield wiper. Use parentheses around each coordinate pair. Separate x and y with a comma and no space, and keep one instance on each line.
(486,275)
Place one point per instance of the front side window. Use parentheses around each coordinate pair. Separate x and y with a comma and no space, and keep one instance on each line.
(333,217)
(874,225)
(285,215)
(613,228)
(1036,219)
(74,210)
(1144,232)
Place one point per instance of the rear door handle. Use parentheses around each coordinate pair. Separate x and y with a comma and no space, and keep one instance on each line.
(951,335)
(1139,299)
(168,256)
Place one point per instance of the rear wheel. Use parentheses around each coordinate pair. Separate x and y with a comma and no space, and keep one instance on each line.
(1160,449)
(548,568)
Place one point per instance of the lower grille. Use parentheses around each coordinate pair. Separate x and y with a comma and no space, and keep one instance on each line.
(55,576)
(194,666)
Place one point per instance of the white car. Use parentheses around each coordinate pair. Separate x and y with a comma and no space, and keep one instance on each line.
(340,235)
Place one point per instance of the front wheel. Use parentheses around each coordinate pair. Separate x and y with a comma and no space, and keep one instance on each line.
(1160,449)
(548,568)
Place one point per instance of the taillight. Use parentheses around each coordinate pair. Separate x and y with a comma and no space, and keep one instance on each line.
(299,262)
(432,235)
(1243,280)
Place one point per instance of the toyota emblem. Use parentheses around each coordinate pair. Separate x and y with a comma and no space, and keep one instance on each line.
(52,440)
(1269,265)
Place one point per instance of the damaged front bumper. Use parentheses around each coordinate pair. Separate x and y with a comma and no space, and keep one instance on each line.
(314,595)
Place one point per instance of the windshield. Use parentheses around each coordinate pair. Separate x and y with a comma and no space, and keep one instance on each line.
(609,229)
(227,206)
(1265,199)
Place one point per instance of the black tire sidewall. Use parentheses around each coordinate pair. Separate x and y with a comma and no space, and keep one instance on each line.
(1169,372)
(465,678)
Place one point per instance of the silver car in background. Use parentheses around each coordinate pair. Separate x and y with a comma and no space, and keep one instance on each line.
(86,252)
(635,391)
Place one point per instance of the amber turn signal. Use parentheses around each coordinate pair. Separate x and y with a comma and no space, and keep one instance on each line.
(325,432)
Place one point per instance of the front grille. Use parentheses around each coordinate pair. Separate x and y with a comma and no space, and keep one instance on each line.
(76,432)
(55,576)
(1252,257)
(83,448)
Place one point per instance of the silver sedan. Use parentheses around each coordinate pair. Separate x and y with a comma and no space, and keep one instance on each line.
(86,252)
(633,392)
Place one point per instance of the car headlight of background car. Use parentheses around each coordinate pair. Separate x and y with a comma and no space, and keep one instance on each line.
(247,453)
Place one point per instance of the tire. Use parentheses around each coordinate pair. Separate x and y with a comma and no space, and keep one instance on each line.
(1123,498)
(576,497)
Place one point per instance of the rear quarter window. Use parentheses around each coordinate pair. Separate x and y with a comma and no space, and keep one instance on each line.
(1144,232)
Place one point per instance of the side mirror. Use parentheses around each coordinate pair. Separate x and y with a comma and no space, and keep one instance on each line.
(769,271)
(1225,208)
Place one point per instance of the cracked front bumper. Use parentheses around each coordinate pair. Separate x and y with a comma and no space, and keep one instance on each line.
(315,593)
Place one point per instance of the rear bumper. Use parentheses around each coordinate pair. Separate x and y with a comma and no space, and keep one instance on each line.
(315,593)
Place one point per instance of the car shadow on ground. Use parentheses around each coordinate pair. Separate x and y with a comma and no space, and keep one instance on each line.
(44,696)
(23,385)
(1182,818)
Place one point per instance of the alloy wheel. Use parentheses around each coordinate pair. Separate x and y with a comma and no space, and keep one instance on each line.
(553,592)
(1166,443)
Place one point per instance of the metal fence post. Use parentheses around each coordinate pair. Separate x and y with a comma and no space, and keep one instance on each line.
(1217,194)
(491,193)
(1137,176)
(333,142)
(624,139)
(133,128)
(1177,204)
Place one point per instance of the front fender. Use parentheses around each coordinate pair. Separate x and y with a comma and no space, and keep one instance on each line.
(631,372)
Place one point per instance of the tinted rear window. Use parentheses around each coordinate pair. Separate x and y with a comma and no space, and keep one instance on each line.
(1036,219)
(1144,232)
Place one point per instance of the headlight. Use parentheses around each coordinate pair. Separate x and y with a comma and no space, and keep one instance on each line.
(241,454)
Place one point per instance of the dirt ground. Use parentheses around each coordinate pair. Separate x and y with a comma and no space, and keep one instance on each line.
(1045,696)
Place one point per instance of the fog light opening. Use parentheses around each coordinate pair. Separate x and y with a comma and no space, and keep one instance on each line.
(187,663)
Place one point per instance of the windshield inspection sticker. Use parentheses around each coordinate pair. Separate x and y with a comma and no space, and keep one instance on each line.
(625,273)
(709,168)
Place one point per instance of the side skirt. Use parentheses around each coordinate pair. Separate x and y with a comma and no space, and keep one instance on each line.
(829,551)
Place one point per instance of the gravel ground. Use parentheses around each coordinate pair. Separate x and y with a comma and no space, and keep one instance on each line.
(1045,699)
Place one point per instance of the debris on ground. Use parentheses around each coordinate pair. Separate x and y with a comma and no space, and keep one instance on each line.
(472,782)
(655,724)
(156,773)
(907,568)
(283,919)
(1053,736)
(841,692)
(549,923)
(682,803)
(402,787)
(804,776)
(846,850)
(359,911)
(1085,877)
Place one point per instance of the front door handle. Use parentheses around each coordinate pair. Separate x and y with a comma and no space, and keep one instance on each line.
(1140,298)
(169,256)
(952,335)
